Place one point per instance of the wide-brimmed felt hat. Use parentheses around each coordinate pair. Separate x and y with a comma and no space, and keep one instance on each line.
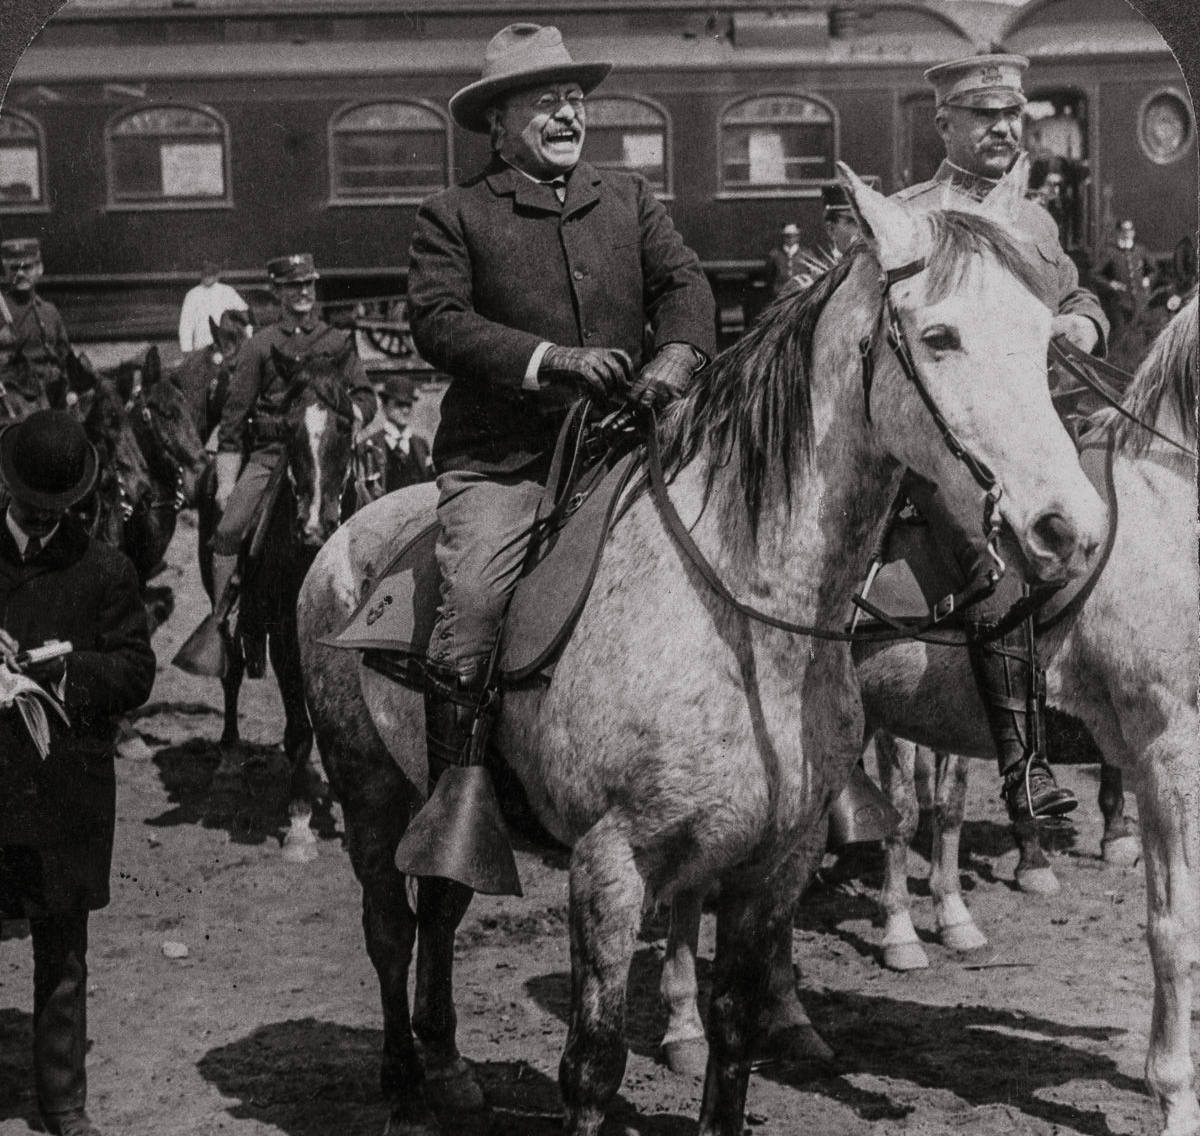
(520,55)
(295,268)
(47,461)
(982,82)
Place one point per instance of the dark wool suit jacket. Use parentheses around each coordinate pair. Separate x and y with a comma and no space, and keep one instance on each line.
(498,265)
(79,590)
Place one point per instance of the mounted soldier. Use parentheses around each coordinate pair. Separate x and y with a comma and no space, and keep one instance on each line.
(34,345)
(980,104)
(531,284)
(253,421)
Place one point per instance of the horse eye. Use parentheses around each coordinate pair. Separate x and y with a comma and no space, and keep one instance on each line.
(941,338)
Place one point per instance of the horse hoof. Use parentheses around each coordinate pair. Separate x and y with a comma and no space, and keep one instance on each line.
(963,937)
(686,1058)
(1038,881)
(453,1088)
(905,956)
(1123,852)
(412,1118)
(796,1044)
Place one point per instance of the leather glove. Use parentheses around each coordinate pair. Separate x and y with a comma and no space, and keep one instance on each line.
(1079,330)
(666,376)
(603,371)
(229,465)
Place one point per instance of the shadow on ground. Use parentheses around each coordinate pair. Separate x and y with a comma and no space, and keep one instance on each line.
(306,1077)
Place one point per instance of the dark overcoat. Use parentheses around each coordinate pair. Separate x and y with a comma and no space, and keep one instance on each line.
(79,590)
(498,266)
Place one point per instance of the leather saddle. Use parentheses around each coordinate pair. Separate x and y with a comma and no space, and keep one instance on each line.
(393,624)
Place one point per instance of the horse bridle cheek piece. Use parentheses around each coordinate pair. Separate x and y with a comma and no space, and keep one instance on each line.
(982,475)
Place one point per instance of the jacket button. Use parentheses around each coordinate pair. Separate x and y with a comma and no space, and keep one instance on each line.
(579,274)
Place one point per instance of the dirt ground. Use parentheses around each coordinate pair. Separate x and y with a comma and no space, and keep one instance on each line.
(271,1023)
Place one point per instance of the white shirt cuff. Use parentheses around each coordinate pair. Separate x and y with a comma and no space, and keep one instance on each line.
(530,382)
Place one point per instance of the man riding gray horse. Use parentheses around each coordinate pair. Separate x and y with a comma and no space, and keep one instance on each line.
(980,103)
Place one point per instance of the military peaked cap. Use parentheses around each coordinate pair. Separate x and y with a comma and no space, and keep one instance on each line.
(294,269)
(983,82)
(25,249)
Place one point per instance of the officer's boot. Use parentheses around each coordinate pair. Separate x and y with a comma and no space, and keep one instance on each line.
(1006,673)
(60,1023)
(451,711)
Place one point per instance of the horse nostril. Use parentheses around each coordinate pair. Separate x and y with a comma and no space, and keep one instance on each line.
(1056,535)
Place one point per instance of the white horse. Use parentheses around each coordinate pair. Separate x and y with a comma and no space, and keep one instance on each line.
(1125,662)
(682,743)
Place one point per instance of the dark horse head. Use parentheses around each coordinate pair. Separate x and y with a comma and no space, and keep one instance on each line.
(320,444)
(163,424)
(203,375)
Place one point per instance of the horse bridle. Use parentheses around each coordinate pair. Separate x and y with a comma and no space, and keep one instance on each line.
(979,470)
(136,405)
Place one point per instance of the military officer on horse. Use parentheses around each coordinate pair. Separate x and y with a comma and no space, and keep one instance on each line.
(529,284)
(34,345)
(254,419)
(980,103)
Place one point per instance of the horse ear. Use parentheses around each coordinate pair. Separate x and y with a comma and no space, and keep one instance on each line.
(348,350)
(151,367)
(1003,202)
(284,364)
(890,228)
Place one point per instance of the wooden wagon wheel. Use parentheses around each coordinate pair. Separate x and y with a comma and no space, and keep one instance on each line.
(389,332)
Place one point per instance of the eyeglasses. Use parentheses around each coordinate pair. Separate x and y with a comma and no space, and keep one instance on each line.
(549,102)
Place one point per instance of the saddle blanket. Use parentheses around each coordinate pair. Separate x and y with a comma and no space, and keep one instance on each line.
(398,614)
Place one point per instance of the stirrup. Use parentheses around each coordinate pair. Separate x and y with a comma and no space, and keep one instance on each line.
(1025,801)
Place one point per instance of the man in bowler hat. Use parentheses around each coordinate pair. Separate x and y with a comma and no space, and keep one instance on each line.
(34,344)
(391,455)
(980,102)
(57,814)
(530,284)
(253,429)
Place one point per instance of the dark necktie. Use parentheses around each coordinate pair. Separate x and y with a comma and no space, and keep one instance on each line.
(32,549)
(559,185)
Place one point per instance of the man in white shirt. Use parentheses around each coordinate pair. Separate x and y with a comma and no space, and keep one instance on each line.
(207,300)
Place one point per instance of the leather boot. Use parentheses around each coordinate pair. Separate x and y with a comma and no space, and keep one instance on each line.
(451,710)
(223,568)
(60,1020)
(1006,673)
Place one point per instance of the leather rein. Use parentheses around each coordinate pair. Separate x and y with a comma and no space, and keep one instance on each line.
(978,469)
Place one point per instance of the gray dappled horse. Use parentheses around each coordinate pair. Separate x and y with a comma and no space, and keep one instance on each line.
(682,743)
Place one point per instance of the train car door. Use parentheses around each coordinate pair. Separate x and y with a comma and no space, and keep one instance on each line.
(1056,136)
(921,149)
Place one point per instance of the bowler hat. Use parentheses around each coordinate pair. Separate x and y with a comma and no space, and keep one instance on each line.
(983,82)
(47,461)
(293,269)
(25,249)
(520,55)
(399,388)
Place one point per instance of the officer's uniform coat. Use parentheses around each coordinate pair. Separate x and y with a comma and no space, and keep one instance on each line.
(1034,231)
(79,590)
(252,417)
(499,265)
(38,332)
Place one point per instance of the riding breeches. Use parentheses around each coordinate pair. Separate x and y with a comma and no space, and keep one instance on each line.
(485,527)
(251,485)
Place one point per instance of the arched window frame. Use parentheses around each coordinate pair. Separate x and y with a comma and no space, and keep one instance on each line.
(665,192)
(128,204)
(802,188)
(1189,143)
(42,203)
(340,199)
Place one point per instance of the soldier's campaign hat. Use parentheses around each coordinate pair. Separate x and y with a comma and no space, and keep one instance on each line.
(47,460)
(25,250)
(294,269)
(983,82)
(398,388)
(520,55)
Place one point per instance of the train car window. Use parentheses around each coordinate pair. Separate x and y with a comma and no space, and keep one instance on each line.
(772,142)
(1166,127)
(21,162)
(625,133)
(167,155)
(387,152)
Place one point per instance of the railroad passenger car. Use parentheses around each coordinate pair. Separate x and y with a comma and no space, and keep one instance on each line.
(139,137)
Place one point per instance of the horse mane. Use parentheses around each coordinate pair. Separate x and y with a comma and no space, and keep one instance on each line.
(1167,375)
(752,405)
